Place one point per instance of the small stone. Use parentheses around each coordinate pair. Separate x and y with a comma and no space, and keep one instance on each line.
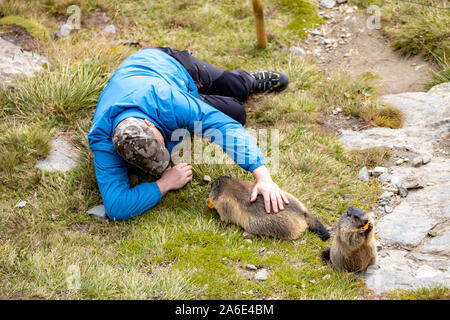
(384,178)
(363,174)
(312,281)
(247,235)
(110,29)
(261,275)
(417,161)
(399,162)
(388,209)
(251,267)
(377,171)
(20,204)
(432,233)
(387,195)
(341,1)
(326,277)
(316,32)
(53,217)
(328,41)
(207,178)
(403,192)
(248,240)
(338,109)
(297,51)
(327,3)
(412,182)
(250,292)
(98,213)
(378,245)
(426,159)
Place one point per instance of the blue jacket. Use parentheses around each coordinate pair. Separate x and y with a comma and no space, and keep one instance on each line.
(152,85)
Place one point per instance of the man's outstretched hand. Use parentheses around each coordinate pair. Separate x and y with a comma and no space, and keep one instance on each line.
(272,194)
(174,178)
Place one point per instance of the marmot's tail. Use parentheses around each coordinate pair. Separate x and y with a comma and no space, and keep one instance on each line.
(326,255)
(317,227)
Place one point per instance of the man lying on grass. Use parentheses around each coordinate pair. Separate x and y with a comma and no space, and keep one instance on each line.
(156,91)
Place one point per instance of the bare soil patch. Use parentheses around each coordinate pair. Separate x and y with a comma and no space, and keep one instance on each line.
(347,43)
(20,37)
(334,123)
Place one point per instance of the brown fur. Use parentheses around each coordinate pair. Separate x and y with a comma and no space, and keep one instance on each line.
(353,248)
(231,199)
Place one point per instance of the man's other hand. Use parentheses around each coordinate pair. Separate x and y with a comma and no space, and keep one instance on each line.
(272,194)
(174,178)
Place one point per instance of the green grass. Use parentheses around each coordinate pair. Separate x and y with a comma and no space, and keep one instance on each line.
(34,28)
(180,249)
(415,29)
(434,293)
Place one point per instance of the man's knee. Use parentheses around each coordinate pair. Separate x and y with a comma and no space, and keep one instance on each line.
(241,115)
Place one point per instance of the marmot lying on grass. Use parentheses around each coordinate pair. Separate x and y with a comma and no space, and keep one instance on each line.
(353,247)
(231,199)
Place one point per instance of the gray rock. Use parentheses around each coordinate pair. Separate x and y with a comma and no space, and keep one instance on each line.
(251,267)
(420,260)
(20,204)
(110,29)
(387,195)
(363,174)
(98,213)
(399,162)
(16,63)
(328,4)
(388,209)
(398,271)
(384,178)
(62,157)
(207,178)
(341,1)
(297,51)
(417,161)
(328,41)
(312,281)
(438,243)
(247,235)
(402,191)
(411,220)
(377,171)
(326,277)
(261,275)
(426,158)
(412,182)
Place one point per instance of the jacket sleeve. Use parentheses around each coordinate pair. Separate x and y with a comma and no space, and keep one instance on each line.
(201,118)
(122,202)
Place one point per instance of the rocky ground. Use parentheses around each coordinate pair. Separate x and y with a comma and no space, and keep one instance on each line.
(350,42)
(414,212)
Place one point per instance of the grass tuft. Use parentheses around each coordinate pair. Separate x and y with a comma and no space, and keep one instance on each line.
(304,15)
(64,93)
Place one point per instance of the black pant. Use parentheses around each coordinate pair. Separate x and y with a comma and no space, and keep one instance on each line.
(223,90)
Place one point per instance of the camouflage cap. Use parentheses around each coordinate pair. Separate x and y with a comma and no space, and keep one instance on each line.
(135,141)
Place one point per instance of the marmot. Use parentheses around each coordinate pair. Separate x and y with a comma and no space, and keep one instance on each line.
(231,198)
(353,248)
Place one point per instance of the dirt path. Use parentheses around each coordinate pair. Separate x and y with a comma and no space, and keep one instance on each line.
(345,43)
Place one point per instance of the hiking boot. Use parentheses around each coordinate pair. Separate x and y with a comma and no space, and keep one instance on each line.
(270,81)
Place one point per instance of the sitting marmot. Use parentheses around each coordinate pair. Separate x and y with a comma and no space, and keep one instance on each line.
(353,247)
(231,199)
